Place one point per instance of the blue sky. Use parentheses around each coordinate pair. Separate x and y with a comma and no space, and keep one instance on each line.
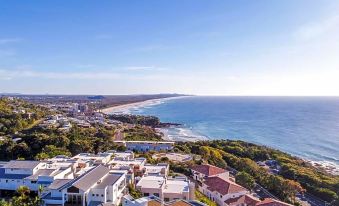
(239,47)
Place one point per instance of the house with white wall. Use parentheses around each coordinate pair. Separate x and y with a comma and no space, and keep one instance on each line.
(145,146)
(32,174)
(160,169)
(95,187)
(167,189)
(17,173)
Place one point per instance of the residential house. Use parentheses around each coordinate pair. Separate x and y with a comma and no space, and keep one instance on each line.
(95,187)
(145,146)
(161,169)
(200,172)
(220,190)
(154,201)
(167,189)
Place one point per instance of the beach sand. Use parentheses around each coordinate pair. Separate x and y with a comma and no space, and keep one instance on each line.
(126,108)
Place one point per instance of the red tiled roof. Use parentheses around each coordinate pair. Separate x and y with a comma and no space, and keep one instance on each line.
(208,170)
(272,202)
(222,186)
(244,199)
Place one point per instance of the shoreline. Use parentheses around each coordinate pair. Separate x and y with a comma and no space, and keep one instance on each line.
(125,108)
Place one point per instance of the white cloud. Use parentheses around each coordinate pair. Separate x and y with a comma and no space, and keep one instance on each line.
(12,74)
(144,68)
(315,29)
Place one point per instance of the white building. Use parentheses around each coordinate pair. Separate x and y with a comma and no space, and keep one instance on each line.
(100,158)
(31,174)
(154,201)
(145,146)
(167,189)
(127,155)
(160,169)
(95,187)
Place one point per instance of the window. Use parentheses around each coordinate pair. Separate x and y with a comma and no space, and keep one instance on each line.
(97,195)
(102,195)
(166,199)
(146,194)
(156,194)
(93,195)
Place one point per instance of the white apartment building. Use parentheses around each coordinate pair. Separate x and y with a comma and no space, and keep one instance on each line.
(96,187)
(161,169)
(31,174)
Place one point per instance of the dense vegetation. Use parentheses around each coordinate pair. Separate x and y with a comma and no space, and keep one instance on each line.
(202,198)
(136,119)
(295,174)
(16,115)
(38,143)
(141,133)
(23,197)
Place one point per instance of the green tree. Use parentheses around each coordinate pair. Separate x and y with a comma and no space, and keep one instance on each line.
(246,180)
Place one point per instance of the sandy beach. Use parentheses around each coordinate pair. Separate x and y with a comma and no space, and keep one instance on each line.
(126,108)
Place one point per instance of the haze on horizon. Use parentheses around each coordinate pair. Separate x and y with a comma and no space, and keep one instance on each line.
(239,47)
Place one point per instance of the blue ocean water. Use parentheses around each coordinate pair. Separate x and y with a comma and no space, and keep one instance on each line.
(304,126)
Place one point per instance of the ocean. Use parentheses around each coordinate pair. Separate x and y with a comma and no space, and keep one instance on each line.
(307,127)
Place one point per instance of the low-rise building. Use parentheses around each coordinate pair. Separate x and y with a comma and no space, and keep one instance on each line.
(17,173)
(100,158)
(145,146)
(126,155)
(154,201)
(272,202)
(167,189)
(95,187)
(161,169)
(221,190)
(174,157)
(200,172)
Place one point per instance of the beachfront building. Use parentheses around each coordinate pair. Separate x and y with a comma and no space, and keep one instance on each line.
(200,172)
(145,146)
(97,186)
(154,201)
(167,189)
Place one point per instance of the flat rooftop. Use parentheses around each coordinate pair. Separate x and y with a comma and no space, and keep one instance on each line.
(151,182)
(176,186)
